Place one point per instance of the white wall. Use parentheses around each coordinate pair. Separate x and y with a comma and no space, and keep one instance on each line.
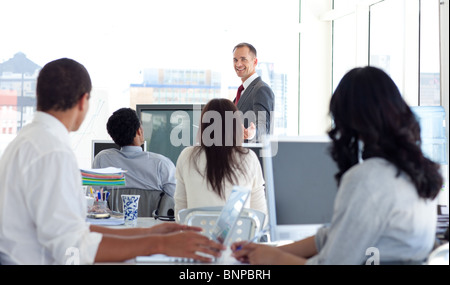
(315,77)
(93,127)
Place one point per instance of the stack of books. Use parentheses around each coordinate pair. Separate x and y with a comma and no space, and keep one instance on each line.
(110,176)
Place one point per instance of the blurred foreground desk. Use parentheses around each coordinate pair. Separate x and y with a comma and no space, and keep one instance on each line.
(146,222)
(117,222)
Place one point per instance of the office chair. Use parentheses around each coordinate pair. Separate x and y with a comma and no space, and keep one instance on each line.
(151,202)
(249,224)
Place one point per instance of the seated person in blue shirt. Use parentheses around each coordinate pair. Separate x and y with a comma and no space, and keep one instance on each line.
(145,170)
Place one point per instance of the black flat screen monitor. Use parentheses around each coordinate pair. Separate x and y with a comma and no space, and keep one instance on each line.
(300,185)
(99,145)
(169,128)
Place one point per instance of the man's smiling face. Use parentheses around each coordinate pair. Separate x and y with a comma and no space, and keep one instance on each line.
(244,62)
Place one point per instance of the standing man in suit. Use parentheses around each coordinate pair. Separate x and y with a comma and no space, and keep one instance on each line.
(256,96)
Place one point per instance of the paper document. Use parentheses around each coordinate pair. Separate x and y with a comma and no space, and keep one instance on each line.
(107,170)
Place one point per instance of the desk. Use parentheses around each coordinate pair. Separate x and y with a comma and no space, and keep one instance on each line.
(145,222)
(117,222)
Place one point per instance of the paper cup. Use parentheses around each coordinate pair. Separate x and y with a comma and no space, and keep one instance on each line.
(130,209)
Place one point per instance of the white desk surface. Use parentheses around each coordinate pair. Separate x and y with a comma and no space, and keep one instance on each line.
(226,258)
(143,222)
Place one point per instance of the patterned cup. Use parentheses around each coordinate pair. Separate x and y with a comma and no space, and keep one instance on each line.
(130,209)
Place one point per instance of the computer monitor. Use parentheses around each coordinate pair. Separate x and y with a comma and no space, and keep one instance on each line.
(99,145)
(300,185)
(169,128)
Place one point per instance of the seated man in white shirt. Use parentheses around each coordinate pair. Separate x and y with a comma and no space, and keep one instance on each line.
(145,170)
(42,207)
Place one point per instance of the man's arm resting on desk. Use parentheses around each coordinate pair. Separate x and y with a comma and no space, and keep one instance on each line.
(162,228)
(121,248)
(123,244)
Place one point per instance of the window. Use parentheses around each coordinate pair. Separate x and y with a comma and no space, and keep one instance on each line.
(397,23)
(401,37)
(147,51)
(142,51)
(429,54)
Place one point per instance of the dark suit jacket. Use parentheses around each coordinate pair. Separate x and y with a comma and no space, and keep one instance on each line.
(258,98)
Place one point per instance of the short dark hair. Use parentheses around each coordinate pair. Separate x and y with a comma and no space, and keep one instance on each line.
(123,125)
(251,48)
(61,84)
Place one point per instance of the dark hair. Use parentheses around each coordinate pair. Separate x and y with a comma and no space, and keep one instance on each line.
(61,84)
(251,48)
(368,106)
(220,146)
(123,125)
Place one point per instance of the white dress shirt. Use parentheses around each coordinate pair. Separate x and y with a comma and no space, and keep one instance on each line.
(42,207)
(247,82)
(193,190)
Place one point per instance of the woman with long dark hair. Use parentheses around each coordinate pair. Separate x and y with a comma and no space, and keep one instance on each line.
(206,172)
(385,210)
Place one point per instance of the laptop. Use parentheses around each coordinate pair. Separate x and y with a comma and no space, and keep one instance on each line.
(222,231)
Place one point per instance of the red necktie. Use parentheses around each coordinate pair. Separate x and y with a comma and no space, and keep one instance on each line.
(238,95)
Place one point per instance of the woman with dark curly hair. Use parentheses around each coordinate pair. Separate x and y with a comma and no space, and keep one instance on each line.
(385,210)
